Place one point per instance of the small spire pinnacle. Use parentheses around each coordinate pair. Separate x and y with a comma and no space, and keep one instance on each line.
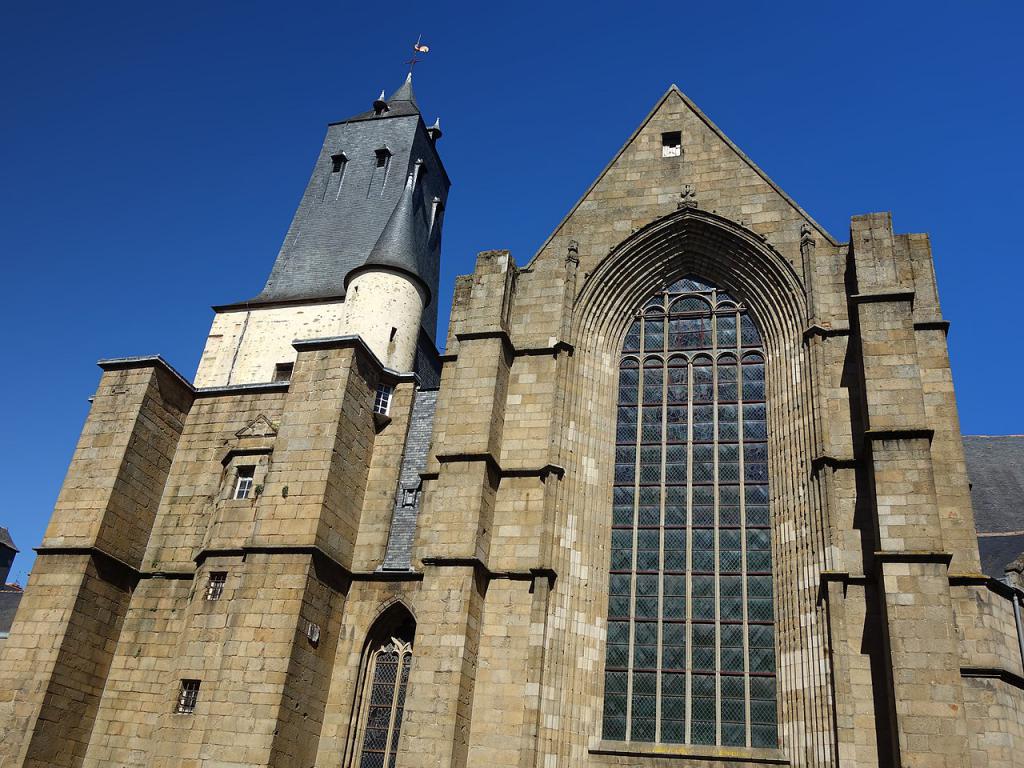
(434,131)
(404,92)
(379,105)
(403,242)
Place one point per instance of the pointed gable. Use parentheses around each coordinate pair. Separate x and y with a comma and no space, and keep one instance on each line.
(648,178)
(261,426)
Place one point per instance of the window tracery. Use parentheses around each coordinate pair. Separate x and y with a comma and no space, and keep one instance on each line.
(691,651)
(381,704)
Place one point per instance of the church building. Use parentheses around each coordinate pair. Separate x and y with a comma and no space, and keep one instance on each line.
(685,490)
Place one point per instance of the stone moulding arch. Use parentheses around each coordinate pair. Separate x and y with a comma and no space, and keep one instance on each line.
(392,608)
(691,242)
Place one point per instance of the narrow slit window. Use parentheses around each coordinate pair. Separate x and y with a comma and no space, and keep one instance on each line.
(382,399)
(671,144)
(188,695)
(215,586)
(243,482)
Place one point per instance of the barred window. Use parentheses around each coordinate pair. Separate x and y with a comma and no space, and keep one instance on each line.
(188,695)
(215,586)
(691,643)
(388,662)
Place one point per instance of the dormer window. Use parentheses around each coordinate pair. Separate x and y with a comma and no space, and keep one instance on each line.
(332,187)
(379,177)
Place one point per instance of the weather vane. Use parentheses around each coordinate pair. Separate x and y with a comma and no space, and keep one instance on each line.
(417,47)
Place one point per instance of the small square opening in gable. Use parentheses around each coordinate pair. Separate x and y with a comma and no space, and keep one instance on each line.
(672,144)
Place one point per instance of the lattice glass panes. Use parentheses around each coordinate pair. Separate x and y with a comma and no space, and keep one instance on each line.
(388,679)
(690,653)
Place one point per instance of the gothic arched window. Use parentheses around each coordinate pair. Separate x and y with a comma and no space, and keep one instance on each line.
(381,703)
(691,641)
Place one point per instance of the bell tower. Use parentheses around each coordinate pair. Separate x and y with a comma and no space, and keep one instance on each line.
(361,256)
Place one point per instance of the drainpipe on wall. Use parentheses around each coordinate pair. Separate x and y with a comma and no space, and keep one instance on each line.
(1016,596)
(1015,599)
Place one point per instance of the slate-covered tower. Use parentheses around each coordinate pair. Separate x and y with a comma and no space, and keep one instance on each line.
(689,492)
(361,255)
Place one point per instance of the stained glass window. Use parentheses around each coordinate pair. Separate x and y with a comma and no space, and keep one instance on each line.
(691,641)
(383,704)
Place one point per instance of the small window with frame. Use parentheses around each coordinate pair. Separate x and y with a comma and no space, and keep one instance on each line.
(243,481)
(382,399)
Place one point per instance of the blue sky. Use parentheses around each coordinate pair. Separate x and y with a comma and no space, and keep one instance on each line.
(152,156)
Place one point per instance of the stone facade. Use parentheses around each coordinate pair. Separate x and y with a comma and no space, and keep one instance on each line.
(493,535)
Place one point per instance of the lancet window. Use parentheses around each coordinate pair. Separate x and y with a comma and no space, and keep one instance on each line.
(691,642)
(381,704)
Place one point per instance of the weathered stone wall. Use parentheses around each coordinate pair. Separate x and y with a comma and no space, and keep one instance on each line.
(891,648)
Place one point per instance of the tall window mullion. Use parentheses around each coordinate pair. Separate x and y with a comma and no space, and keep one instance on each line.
(690,633)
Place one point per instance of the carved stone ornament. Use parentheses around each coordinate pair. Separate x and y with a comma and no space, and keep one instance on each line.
(688,197)
(261,426)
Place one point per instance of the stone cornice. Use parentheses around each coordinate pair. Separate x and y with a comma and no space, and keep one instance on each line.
(910,433)
(832,462)
(144,361)
(687,752)
(555,349)
(876,297)
(243,389)
(937,557)
(355,341)
(481,569)
(452,458)
(821,332)
(996,673)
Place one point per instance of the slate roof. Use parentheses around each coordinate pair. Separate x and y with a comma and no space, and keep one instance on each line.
(403,243)
(6,540)
(9,600)
(398,555)
(995,464)
(401,103)
(343,214)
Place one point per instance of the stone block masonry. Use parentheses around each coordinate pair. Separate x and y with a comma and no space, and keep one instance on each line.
(473,521)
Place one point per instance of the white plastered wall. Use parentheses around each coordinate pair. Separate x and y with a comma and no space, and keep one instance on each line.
(245,345)
(386,308)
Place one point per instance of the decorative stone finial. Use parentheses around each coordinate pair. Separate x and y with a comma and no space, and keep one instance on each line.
(688,197)
(573,252)
(806,234)
(379,105)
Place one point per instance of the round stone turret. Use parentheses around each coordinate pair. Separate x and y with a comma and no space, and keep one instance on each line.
(386,295)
